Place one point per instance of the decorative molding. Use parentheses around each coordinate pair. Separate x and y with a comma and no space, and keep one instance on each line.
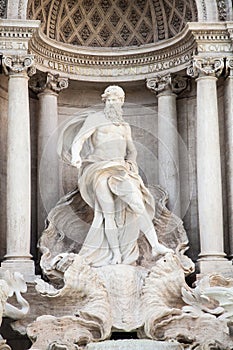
(159,83)
(169,82)
(18,29)
(207,66)
(230,30)
(48,81)
(212,39)
(15,35)
(133,63)
(229,66)
(3,8)
(17,64)
(222,10)
(204,9)
(115,64)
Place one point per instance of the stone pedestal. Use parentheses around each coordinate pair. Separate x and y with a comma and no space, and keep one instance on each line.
(18,256)
(209,166)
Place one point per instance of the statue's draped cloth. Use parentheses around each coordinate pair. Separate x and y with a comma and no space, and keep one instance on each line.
(121,182)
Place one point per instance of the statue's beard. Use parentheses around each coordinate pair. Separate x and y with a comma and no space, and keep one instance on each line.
(114,113)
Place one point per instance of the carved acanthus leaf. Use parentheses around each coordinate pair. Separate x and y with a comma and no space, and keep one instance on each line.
(42,81)
(229,66)
(207,66)
(160,83)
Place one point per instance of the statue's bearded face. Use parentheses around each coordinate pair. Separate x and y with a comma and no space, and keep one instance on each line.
(113,108)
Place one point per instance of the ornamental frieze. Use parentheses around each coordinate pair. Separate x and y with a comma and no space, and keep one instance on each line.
(116,64)
(15,35)
(119,64)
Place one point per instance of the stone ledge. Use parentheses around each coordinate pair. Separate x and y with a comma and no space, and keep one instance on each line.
(221,266)
(134,344)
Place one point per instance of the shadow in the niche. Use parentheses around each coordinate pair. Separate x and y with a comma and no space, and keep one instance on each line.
(14,339)
(124,335)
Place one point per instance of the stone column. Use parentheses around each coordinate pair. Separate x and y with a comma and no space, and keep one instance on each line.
(228,103)
(18,257)
(211,257)
(47,86)
(166,89)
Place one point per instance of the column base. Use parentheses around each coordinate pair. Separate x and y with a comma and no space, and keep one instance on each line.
(215,265)
(25,266)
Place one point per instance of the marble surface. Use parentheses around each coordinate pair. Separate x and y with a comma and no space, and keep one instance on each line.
(134,344)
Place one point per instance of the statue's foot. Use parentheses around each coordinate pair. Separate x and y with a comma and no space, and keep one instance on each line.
(116,258)
(160,249)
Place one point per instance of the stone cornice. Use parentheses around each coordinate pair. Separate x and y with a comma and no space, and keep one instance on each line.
(116,64)
(99,64)
(133,63)
(212,39)
(15,35)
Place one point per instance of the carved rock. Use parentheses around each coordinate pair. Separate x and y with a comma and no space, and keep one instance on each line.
(10,285)
(69,222)
(157,303)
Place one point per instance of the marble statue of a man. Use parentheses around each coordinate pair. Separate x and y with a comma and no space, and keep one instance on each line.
(109,182)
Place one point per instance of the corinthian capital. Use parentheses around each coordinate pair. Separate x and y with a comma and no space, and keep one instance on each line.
(169,82)
(229,65)
(18,64)
(48,81)
(207,66)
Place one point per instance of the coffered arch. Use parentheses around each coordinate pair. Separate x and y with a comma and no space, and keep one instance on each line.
(112,23)
(207,10)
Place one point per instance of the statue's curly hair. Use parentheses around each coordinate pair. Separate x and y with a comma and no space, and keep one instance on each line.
(113,90)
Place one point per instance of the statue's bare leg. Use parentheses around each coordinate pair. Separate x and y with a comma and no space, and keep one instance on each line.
(106,202)
(135,201)
(147,227)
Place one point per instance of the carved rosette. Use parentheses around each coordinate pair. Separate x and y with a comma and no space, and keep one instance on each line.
(222,10)
(206,66)
(3,8)
(48,81)
(16,64)
(168,82)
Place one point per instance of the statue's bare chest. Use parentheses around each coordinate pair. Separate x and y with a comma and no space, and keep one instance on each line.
(111,131)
